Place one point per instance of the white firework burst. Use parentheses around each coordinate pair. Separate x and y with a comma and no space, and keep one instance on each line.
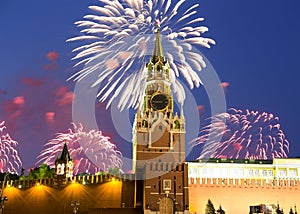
(118,39)
(91,151)
(246,135)
(9,157)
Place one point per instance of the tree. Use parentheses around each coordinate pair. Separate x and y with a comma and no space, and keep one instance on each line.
(22,176)
(278,211)
(291,211)
(114,171)
(44,171)
(220,210)
(9,176)
(210,208)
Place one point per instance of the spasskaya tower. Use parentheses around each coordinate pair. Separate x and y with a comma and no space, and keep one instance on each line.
(159,143)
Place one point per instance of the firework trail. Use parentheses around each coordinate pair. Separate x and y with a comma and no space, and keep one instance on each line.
(91,151)
(243,135)
(9,157)
(118,39)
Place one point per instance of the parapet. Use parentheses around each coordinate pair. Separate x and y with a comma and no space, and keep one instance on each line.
(246,183)
(85,180)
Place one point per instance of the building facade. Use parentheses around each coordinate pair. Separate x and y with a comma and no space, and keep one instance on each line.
(159,143)
(238,184)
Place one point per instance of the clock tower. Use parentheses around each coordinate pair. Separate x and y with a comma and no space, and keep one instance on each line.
(159,143)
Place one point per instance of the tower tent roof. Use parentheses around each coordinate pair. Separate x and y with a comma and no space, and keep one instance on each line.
(65,155)
(157,51)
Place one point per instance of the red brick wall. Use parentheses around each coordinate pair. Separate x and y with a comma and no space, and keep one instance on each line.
(236,198)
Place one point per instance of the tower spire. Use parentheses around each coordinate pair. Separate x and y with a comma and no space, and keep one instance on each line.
(157,51)
(65,155)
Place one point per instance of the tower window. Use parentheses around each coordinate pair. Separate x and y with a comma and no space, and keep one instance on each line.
(176,124)
(145,124)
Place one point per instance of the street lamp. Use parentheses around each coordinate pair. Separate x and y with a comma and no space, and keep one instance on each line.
(3,199)
(74,204)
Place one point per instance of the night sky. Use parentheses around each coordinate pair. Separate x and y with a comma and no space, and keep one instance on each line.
(256,57)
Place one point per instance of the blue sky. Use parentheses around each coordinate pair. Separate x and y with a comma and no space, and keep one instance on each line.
(257,53)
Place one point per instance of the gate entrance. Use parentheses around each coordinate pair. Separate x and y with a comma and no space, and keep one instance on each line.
(166,206)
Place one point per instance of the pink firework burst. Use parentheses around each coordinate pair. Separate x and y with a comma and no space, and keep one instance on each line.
(91,151)
(243,135)
(9,157)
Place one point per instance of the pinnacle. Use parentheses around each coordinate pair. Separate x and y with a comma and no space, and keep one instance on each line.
(157,52)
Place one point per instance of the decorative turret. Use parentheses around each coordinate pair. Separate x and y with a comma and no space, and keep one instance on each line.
(64,166)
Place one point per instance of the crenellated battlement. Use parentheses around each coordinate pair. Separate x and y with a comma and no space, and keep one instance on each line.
(245,183)
(51,182)
(165,167)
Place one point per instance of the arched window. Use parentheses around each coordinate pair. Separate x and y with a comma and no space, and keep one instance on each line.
(176,124)
(145,124)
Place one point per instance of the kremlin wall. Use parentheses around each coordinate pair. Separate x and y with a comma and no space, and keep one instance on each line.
(238,184)
(92,192)
(233,184)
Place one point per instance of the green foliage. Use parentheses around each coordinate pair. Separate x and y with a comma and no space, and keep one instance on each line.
(44,171)
(114,171)
(210,208)
(22,176)
(220,210)
(100,173)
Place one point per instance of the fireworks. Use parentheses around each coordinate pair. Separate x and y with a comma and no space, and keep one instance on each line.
(119,38)
(244,135)
(91,151)
(9,157)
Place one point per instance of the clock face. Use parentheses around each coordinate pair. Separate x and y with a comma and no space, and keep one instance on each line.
(159,102)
